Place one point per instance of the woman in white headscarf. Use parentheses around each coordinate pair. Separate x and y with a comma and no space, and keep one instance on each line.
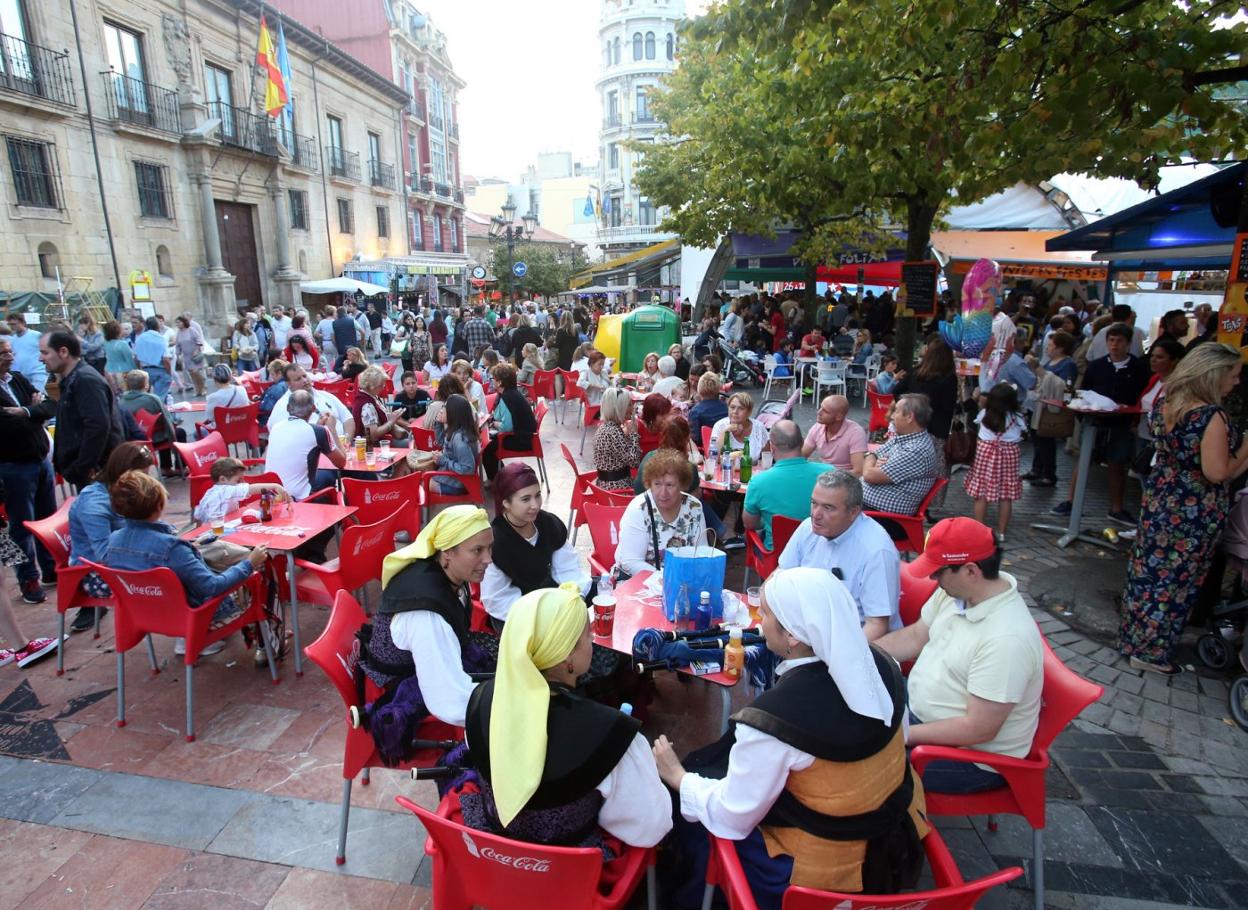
(554,766)
(818,790)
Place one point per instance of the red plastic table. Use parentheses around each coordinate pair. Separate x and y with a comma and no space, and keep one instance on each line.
(298,523)
(187,407)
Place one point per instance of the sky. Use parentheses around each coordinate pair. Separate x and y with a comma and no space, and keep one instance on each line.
(530,68)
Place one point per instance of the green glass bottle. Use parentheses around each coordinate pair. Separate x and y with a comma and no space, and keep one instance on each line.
(747,466)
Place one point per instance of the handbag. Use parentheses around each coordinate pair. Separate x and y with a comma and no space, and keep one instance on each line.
(1142,463)
(960,446)
(1055,423)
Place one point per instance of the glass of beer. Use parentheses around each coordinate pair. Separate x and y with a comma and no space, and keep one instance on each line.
(754,600)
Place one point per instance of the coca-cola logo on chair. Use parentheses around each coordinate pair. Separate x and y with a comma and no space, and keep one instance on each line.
(143,590)
(519,863)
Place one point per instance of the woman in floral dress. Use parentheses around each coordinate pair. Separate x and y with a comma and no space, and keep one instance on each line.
(1186,498)
(617,448)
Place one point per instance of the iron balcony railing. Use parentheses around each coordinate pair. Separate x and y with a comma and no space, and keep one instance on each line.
(303,152)
(380,174)
(37,71)
(443,190)
(135,101)
(422,185)
(453,130)
(242,129)
(415,109)
(341,163)
(612,121)
(459,196)
(644,117)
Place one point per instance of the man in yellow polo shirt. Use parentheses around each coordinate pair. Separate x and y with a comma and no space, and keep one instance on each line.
(979,658)
(783,489)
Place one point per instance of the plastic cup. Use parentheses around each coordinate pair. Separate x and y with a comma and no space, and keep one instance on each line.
(604,615)
(218,526)
(361,448)
(754,600)
(385,450)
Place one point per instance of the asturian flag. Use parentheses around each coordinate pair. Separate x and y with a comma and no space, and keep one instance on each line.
(266,58)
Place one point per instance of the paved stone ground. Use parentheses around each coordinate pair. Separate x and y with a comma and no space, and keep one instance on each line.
(1148,793)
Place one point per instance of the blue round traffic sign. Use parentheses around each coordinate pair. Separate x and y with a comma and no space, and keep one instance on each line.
(519,270)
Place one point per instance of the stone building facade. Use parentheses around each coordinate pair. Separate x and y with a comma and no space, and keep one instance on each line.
(134,141)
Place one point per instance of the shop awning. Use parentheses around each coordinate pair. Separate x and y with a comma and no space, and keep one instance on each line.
(342,286)
(645,260)
(1021,254)
(1192,227)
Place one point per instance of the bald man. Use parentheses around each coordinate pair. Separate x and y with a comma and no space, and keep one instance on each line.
(783,489)
(835,439)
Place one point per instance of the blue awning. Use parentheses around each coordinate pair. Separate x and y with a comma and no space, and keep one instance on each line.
(1192,227)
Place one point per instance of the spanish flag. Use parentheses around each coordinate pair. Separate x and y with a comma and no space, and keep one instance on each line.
(266,58)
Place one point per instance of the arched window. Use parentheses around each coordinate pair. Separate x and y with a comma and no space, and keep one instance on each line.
(164,262)
(671,47)
(615,51)
(637,46)
(649,45)
(49,259)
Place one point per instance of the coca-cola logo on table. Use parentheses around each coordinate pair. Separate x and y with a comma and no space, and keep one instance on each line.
(520,863)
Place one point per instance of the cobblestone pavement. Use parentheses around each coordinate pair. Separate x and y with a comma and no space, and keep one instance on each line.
(1147,795)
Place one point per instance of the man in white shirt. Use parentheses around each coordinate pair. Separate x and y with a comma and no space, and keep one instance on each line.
(323,402)
(979,658)
(670,381)
(840,538)
(281,328)
(325,334)
(26,352)
(296,446)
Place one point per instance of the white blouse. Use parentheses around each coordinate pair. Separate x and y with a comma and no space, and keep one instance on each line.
(633,553)
(439,663)
(498,593)
(759,436)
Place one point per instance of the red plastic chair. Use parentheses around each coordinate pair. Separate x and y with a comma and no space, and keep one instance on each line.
(647,438)
(881,404)
(611,498)
(473,868)
(337,653)
(425,440)
(148,422)
(153,602)
(240,425)
(533,451)
(1064,696)
(53,533)
(543,386)
(706,439)
(916,590)
(576,513)
(377,499)
(762,560)
(342,389)
(604,532)
(724,871)
(912,525)
(360,554)
(430,496)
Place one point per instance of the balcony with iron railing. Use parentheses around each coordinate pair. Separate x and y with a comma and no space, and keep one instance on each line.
(38,72)
(380,174)
(141,103)
(443,190)
(452,130)
(420,185)
(303,152)
(341,163)
(242,129)
(645,117)
(612,121)
(414,108)
(459,196)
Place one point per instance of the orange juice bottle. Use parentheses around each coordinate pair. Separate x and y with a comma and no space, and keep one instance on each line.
(734,655)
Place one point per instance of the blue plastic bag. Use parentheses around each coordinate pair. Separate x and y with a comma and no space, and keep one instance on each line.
(698,569)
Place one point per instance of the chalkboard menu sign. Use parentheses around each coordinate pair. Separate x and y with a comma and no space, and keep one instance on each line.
(918,286)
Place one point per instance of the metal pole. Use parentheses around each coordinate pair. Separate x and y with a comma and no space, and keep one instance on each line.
(511,277)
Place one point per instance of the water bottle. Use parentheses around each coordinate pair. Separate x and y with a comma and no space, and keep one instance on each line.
(683,609)
(702,619)
(606,586)
(712,459)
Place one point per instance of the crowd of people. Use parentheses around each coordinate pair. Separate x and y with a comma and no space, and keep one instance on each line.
(824,747)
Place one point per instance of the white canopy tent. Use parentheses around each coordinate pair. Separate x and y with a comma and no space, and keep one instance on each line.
(342,286)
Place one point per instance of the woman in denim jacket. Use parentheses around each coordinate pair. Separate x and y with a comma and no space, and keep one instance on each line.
(146,542)
(92,521)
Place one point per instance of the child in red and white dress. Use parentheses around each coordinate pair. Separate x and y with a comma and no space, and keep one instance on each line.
(994,473)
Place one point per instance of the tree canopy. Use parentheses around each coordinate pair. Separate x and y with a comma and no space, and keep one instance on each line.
(549,268)
(846,119)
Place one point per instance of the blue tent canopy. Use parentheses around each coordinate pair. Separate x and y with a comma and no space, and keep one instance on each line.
(1190,228)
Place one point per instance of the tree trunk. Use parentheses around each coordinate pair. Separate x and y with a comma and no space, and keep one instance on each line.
(811,299)
(920,213)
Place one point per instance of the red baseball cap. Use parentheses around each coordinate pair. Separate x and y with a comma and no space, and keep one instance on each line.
(954,542)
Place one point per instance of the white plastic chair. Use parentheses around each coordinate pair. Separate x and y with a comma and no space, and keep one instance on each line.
(769,363)
(830,376)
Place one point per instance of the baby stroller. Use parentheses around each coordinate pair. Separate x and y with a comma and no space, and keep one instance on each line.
(741,367)
(1225,645)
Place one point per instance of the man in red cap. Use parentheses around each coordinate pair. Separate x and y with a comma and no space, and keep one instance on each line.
(979,659)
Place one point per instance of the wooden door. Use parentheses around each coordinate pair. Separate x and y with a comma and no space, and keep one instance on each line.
(238,251)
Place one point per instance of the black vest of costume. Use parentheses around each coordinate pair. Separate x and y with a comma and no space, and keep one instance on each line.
(529,566)
(420,586)
(585,741)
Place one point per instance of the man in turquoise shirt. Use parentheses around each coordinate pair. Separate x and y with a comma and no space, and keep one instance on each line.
(785,488)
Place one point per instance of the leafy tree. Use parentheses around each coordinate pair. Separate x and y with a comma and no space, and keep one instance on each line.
(846,120)
(550,268)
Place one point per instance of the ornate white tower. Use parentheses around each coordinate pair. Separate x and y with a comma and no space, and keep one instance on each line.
(639,46)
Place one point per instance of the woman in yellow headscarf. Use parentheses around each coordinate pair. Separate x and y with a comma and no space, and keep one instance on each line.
(555,767)
(421,628)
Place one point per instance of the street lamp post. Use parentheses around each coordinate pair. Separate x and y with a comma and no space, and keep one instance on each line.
(504,228)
